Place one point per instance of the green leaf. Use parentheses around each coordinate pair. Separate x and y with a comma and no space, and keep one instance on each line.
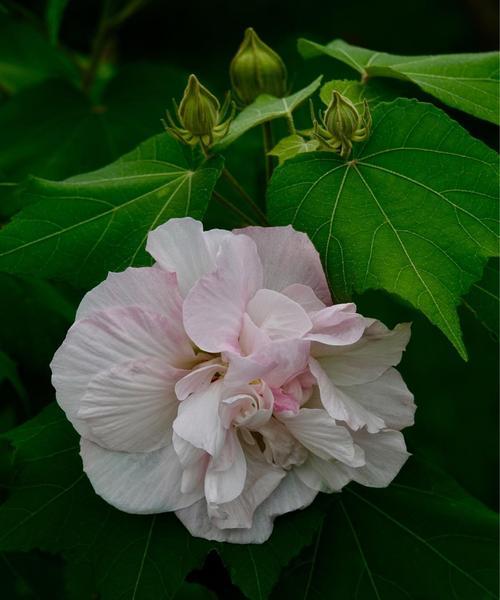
(54,131)
(255,569)
(8,371)
(413,213)
(53,15)
(26,58)
(81,228)
(266,108)
(292,145)
(373,92)
(483,298)
(140,557)
(421,538)
(468,82)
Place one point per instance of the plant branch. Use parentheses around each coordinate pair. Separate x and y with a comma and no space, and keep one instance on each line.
(235,209)
(236,185)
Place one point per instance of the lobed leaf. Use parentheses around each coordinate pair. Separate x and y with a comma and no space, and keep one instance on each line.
(415,211)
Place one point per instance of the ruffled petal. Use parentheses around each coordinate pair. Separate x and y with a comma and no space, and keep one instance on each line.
(109,338)
(288,257)
(322,475)
(131,407)
(148,287)
(385,454)
(337,325)
(198,421)
(278,316)
(366,360)
(214,307)
(317,431)
(198,379)
(182,247)
(143,483)
(304,295)
(226,474)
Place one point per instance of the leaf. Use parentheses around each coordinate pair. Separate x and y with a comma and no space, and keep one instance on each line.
(26,58)
(81,228)
(468,82)
(53,507)
(53,15)
(265,108)
(255,569)
(54,131)
(421,538)
(413,213)
(292,145)
(374,91)
(482,299)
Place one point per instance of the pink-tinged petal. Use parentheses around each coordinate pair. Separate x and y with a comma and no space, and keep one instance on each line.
(198,379)
(180,246)
(343,407)
(226,473)
(198,420)
(385,403)
(194,464)
(284,402)
(317,431)
(288,257)
(385,454)
(366,360)
(144,483)
(278,316)
(304,295)
(337,325)
(252,337)
(249,410)
(322,475)
(147,287)
(214,307)
(107,339)
(131,407)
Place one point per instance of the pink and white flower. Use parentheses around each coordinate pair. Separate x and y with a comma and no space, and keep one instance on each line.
(222,383)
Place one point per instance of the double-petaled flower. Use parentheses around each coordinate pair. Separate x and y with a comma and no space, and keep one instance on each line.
(222,383)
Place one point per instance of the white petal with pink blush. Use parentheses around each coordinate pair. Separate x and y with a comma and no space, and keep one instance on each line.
(223,384)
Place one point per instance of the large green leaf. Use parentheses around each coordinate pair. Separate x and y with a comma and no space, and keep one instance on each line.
(266,108)
(483,298)
(468,82)
(414,212)
(83,227)
(54,12)
(53,130)
(53,507)
(422,538)
(26,57)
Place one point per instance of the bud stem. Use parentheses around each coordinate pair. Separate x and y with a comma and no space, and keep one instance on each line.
(268,146)
(235,209)
(236,185)
(291,124)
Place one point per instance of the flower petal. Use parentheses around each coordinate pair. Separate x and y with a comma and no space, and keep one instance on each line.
(143,483)
(322,475)
(131,407)
(385,454)
(364,361)
(214,307)
(278,316)
(317,431)
(198,379)
(288,257)
(198,421)
(304,295)
(181,246)
(107,339)
(337,325)
(148,287)
(226,474)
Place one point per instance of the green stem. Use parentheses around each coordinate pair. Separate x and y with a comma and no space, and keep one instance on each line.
(267,136)
(291,124)
(235,209)
(236,185)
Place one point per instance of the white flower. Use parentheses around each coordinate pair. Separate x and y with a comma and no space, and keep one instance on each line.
(223,384)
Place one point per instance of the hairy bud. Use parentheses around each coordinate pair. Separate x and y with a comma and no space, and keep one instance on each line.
(257,69)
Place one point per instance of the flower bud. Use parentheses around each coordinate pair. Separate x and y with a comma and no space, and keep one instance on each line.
(257,69)
(341,117)
(199,108)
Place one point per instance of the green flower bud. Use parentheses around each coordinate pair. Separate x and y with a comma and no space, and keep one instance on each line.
(341,117)
(199,108)
(257,69)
